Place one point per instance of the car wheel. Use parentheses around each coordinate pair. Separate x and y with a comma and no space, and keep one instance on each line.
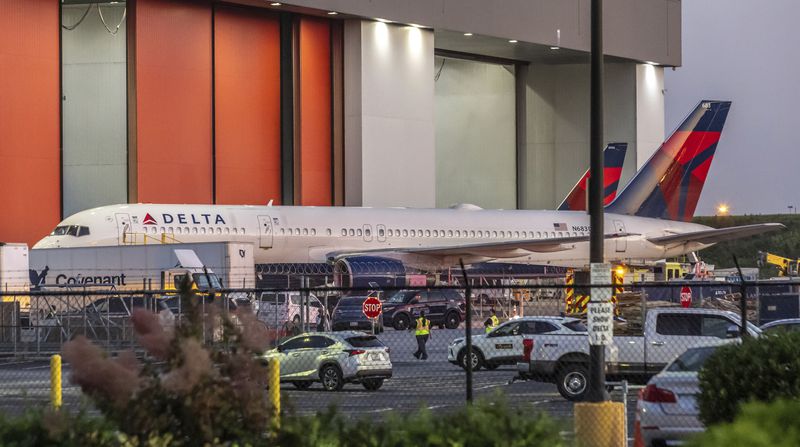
(301,384)
(372,384)
(331,378)
(452,320)
(477,359)
(401,322)
(572,381)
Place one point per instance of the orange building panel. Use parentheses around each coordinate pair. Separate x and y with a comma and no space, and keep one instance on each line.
(30,179)
(315,112)
(173,101)
(247,113)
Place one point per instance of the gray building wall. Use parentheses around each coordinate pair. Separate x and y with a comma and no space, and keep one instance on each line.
(557,146)
(94,109)
(475,134)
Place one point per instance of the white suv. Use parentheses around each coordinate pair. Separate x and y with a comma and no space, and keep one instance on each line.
(332,359)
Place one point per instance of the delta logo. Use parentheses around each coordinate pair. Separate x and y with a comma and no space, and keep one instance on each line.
(183,218)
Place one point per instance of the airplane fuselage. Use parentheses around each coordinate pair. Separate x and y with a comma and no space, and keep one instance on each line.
(297,234)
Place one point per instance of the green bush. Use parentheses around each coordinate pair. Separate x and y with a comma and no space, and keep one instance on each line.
(775,424)
(50,428)
(481,425)
(761,369)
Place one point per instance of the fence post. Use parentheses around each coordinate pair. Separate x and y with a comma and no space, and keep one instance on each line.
(743,300)
(468,331)
(274,383)
(55,381)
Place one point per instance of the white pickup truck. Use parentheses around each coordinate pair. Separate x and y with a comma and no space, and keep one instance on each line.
(667,333)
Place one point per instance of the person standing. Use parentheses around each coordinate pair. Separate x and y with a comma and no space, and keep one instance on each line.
(423,333)
(493,321)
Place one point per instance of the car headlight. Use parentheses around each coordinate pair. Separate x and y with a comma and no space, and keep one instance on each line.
(456,341)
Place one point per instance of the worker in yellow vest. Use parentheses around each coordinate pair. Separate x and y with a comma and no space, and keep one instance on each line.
(423,333)
(492,322)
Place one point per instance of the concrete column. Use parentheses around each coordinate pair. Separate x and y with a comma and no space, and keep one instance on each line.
(649,111)
(389,115)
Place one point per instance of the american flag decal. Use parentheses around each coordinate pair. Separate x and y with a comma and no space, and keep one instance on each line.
(560,226)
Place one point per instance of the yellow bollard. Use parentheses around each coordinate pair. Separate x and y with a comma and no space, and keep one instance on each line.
(55,381)
(274,383)
(600,424)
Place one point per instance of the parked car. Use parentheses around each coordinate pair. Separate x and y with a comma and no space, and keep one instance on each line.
(444,307)
(277,308)
(667,407)
(778,326)
(666,333)
(348,315)
(333,359)
(504,345)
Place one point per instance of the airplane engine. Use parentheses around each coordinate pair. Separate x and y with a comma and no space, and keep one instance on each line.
(369,271)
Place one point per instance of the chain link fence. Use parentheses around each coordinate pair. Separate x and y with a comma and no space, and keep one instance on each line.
(434,347)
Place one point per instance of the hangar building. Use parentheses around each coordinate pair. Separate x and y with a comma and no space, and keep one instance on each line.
(421,103)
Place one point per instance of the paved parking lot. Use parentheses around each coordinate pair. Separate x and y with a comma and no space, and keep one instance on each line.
(434,384)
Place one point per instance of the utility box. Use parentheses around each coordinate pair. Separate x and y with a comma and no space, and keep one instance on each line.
(778,307)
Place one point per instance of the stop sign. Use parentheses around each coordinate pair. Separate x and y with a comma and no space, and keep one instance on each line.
(372,307)
(686,296)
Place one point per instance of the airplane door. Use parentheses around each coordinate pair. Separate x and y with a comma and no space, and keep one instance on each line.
(265,232)
(367,233)
(381,233)
(124,229)
(622,243)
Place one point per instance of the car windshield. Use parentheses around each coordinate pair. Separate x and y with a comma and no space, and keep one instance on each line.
(202,281)
(692,360)
(366,341)
(401,297)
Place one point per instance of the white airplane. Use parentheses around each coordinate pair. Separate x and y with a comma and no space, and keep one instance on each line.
(648,221)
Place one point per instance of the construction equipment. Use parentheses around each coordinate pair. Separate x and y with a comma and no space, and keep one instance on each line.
(786,266)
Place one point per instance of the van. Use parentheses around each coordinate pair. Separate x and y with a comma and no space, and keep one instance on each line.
(278,308)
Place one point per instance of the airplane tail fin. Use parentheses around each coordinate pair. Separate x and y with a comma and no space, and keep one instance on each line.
(613,157)
(668,186)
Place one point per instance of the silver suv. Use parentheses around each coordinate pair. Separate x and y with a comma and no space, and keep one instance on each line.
(332,359)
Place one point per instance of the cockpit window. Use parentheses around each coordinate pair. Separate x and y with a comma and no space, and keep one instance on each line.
(70,230)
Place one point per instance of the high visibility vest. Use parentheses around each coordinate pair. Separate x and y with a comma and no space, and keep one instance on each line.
(495,321)
(423,326)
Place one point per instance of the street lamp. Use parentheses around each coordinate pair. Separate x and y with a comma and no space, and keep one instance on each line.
(790,208)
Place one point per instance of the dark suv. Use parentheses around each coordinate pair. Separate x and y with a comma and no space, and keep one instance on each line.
(445,308)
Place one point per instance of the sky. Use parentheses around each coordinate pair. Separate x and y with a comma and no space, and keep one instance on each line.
(748,52)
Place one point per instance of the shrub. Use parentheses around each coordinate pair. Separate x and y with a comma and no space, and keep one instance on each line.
(759,424)
(483,424)
(762,369)
(51,428)
(187,390)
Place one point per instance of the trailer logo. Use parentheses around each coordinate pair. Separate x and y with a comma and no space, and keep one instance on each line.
(148,220)
(38,278)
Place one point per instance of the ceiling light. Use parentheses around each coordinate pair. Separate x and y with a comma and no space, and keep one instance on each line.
(274,4)
(512,41)
(416,26)
(651,63)
(332,13)
(554,48)
(467,34)
(383,20)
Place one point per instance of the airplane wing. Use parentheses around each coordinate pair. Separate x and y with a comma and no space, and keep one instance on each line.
(499,250)
(717,235)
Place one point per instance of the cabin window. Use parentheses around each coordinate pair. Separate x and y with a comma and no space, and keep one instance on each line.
(329,232)
(552,234)
(283,231)
(202,230)
(235,231)
(351,232)
(305,231)
(516,234)
(458,233)
(413,233)
(538,234)
(494,233)
(344,232)
(524,234)
(358,232)
(313,231)
(449,233)
(381,232)
(427,233)
(194,230)
(405,233)
(472,233)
